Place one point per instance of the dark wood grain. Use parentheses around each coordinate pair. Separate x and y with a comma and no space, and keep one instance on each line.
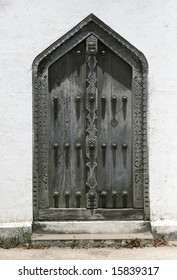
(67,83)
(60,214)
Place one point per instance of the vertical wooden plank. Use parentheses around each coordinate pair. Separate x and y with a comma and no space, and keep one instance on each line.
(122,131)
(59,130)
(78,83)
(104,129)
(67,178)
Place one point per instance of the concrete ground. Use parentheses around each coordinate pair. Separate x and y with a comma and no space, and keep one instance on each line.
(168,252)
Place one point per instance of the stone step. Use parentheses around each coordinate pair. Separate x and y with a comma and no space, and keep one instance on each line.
(93,240)
(91,227)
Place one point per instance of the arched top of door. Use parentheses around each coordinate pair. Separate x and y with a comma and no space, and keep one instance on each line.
(91,25)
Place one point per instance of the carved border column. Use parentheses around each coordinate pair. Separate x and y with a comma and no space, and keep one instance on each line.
(91,124)
(42,133)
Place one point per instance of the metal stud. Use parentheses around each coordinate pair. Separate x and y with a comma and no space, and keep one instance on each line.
(124,153)
(114,99)
(67,146)
(114,146)
(78,147)
(114,194)
(124,107)
(78,198)
(104,198)
(124,146)
(55,147)
(124,98)
(103,105)
(78,98)
(78,194)
(67,195)
(103,194)
(103,147)
(103,52)
(124,197)
(78,52)
(56,196)
(114,198)
(78,104)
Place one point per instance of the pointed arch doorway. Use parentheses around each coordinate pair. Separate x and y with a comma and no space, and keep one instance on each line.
(90,139)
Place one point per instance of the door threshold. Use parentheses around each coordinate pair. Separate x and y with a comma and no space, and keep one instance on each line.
(91,227)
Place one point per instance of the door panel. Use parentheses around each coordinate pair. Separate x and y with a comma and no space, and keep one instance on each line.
(115,129)
(104,171)
(67,131)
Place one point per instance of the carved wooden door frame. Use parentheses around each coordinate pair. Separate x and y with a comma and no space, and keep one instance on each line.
(123,49)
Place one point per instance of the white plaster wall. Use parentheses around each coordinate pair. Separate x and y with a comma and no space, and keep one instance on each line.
(27,27)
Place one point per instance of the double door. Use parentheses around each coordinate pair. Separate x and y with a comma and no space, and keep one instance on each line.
(89,134)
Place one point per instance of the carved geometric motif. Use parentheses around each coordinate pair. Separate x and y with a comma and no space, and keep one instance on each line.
(91,130)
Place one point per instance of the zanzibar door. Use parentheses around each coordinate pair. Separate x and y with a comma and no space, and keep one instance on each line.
(89,135)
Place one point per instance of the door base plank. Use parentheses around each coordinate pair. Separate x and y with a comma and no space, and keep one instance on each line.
(61,214)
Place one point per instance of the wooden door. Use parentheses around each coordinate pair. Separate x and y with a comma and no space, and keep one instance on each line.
(90,136)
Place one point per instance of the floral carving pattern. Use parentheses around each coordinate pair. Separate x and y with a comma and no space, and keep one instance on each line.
(91,130)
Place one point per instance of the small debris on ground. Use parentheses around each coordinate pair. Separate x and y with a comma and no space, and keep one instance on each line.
(160,241)
(33,246)
(133,243)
